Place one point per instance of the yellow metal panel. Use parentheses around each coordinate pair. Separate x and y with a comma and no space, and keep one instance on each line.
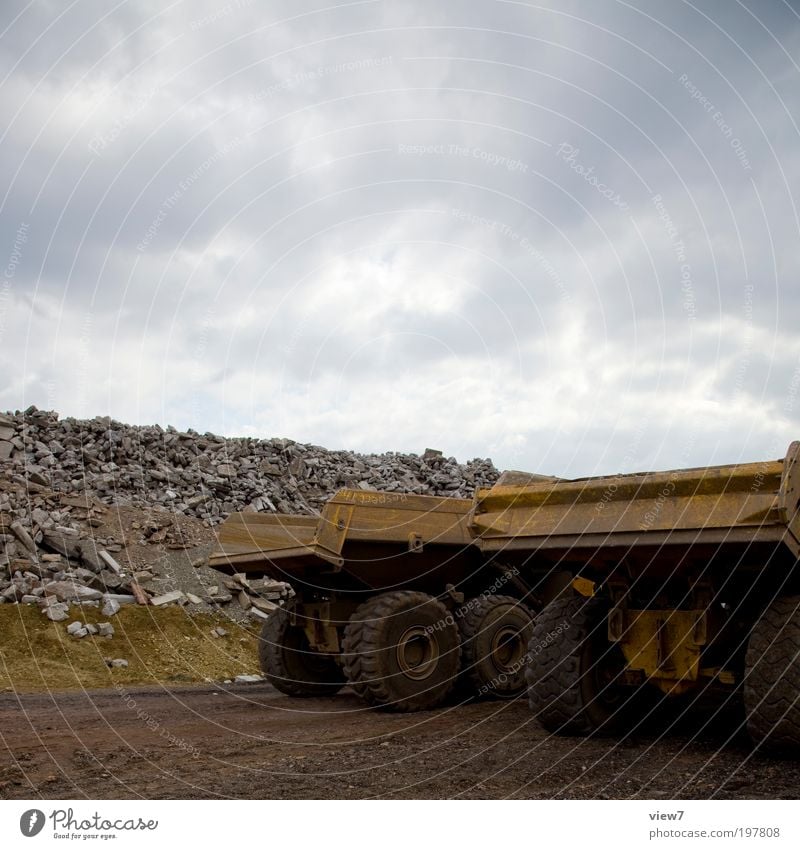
(664,644)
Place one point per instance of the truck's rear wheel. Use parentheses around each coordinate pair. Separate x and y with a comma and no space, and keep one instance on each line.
(495,631)
(772,677)
(290,664)
(572,669)
(401,651)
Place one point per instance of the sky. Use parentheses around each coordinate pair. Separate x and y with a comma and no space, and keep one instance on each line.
(563,235)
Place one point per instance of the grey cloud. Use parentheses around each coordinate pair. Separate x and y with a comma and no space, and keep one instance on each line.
(461,196)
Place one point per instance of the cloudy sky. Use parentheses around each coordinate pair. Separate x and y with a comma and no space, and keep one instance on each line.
(564,235)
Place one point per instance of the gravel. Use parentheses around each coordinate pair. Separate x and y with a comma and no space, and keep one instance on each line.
(60,479)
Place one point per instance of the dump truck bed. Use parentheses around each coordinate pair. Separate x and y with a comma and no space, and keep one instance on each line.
(358,532)
(743,504)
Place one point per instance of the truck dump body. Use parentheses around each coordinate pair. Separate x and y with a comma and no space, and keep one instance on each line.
(736,506)
(361,539)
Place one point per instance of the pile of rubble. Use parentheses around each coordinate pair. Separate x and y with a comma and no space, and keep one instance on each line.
(208,476)
(60,480)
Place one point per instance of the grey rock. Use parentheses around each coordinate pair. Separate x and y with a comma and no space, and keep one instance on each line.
(77,629)
(167,598)
(111,607)
(64,544)
(23,536)
(110,562)
(71,591)
(56,612)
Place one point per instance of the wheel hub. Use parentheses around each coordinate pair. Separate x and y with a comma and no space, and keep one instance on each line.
(417,653)
(507,648)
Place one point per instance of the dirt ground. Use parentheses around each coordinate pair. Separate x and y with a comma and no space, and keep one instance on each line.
(248,741)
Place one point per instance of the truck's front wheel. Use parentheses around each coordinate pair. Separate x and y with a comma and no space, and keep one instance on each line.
(772,677)
(290,664)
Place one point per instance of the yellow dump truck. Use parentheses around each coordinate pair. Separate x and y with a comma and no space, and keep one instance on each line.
(647,585)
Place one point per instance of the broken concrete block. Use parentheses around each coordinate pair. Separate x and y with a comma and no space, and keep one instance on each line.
(263,605)
(23,536)
(110,562)
(167,598)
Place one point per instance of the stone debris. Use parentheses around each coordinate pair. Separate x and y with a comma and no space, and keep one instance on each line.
(248,679)
(110,607)
(110,562)
(116,663)
(105,629)
(168,598)
(59,477)
(56,611)
(74,628)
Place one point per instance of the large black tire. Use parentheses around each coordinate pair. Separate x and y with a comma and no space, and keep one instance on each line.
(495,631)
(772,677)
(402,651)
(572,669)
(289,663)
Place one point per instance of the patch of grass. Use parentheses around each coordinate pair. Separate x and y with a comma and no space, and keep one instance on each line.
(160,644)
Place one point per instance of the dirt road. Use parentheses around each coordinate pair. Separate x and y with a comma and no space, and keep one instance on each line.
(248,741)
